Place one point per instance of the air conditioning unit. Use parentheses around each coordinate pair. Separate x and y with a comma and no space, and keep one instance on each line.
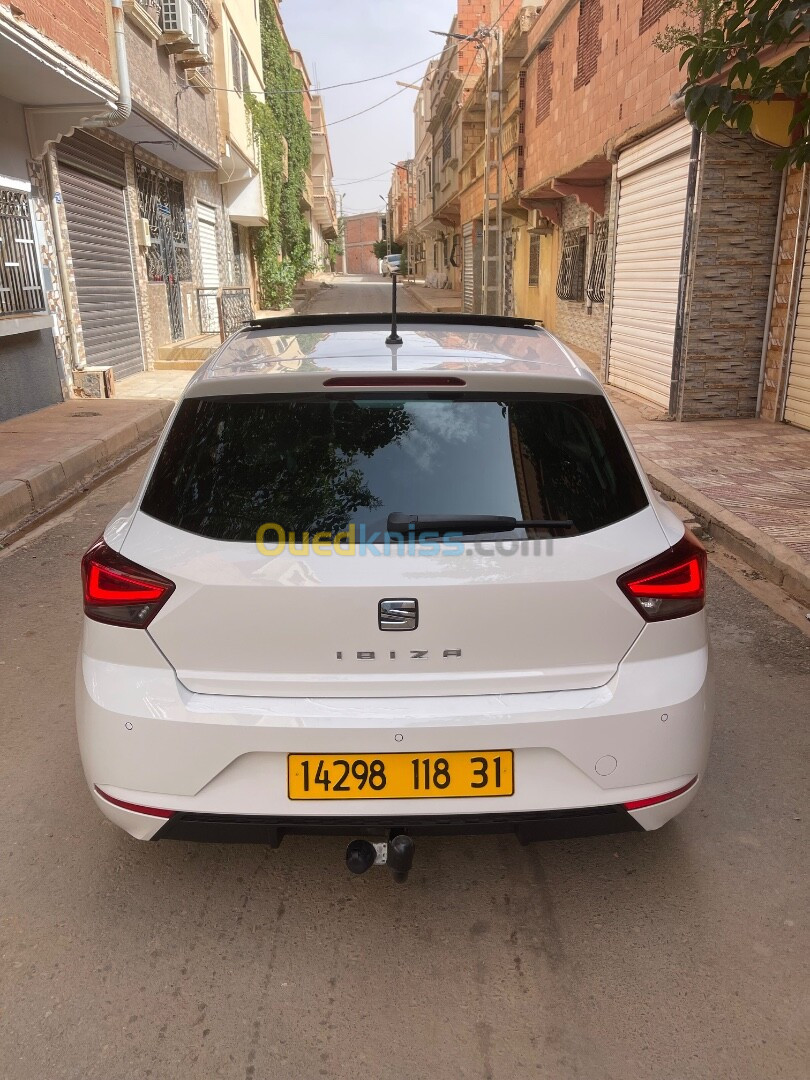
(178,19)
(200,35)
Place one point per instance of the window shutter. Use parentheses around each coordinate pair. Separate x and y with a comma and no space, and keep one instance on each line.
(236,63)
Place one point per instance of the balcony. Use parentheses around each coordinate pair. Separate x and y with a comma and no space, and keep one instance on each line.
(320,143)
(307,201)
(473,167)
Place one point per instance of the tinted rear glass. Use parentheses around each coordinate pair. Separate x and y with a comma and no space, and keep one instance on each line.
(321,463)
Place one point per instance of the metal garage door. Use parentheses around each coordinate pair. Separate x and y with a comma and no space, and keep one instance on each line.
(653,180)
(209,254)
(797,402)
(100,249)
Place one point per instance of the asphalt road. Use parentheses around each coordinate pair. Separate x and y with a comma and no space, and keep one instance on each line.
(362,294)
(673,955)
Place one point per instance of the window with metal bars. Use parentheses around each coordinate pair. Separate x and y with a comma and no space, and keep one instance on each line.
(545,69)
(447,145)
(534,260)
(571,279)
(595,289)
(20,279)
(161,202)
(652,11)
(589,42)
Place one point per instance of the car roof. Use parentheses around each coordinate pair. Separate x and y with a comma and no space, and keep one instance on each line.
(300,353)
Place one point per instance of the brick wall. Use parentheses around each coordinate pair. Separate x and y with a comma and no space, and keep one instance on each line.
(732,268)
(784,271)
(630,83)
(471,15)
(361,232)
(79,26)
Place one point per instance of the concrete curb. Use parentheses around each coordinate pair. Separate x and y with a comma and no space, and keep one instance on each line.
(41,490)
(413,292)
(774,561)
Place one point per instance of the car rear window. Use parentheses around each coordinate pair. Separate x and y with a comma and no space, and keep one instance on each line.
(319,463)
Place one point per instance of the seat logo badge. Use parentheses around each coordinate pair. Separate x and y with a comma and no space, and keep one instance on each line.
(398,614)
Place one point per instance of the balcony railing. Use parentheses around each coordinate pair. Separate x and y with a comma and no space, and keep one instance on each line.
(20,281)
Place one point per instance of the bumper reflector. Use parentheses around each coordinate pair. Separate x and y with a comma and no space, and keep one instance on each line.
(637,804)
(151,811)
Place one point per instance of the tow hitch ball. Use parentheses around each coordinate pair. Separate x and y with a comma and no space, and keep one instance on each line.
(396,854)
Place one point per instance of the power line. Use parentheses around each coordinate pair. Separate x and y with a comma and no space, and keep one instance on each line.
(333,86)
(362,180)
(343,119)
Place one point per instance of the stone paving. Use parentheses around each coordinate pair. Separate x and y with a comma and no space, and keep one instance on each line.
(755,469)
(167,385)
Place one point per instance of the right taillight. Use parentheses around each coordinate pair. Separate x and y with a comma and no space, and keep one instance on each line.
(671,585)
(118,591)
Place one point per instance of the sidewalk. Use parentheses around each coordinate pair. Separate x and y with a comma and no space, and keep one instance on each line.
(447,301)
(48,456)
(746,481)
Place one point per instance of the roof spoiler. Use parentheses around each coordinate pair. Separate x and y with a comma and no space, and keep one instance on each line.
(383,318)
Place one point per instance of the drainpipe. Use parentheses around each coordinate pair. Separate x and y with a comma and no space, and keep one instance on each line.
(124,105)
(771,292)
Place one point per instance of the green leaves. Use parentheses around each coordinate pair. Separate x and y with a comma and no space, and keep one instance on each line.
(282,247)
(723,44)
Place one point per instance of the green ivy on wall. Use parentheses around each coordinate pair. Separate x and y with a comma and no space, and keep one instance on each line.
(283,250)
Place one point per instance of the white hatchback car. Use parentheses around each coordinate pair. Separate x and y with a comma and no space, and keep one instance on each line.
(386,590)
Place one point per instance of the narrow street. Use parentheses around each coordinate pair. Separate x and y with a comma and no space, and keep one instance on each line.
(361,293)
(675,955)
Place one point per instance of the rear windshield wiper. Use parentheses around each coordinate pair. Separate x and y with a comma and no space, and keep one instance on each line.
(438,523)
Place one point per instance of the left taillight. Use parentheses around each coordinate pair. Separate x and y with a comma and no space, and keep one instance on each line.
(118,591)
(671,585)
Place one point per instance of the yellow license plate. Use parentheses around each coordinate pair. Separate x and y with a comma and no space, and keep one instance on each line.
(455,775)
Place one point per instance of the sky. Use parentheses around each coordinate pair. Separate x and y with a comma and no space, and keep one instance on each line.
(343,40)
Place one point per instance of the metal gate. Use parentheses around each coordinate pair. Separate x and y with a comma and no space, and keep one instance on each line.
(653,184)
(98,232)
(161,202)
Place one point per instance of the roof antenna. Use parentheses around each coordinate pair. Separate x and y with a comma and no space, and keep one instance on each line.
(394,338)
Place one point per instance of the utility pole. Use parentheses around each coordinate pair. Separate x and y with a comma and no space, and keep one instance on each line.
(492,275)
(490,40)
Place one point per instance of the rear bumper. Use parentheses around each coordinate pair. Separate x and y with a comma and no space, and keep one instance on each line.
(217,766)
(527,828)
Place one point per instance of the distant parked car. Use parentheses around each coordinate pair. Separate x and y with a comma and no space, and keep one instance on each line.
(391,264)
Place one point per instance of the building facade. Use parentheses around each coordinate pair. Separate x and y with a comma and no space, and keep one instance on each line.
(49,55)
(674,262)
(136,205)
(360,233)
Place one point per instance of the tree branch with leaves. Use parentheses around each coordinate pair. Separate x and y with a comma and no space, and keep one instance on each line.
(727,46)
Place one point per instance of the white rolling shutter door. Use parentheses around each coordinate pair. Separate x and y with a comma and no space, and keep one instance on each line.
(209,255)
(653,179)
(468,272)
(797,401)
